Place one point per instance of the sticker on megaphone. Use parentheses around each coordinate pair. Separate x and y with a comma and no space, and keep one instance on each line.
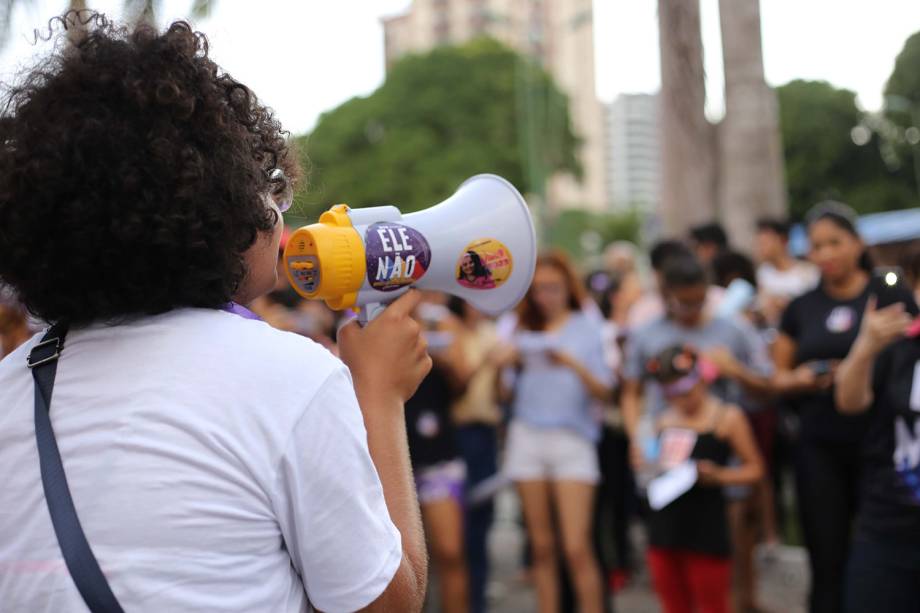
(479,244)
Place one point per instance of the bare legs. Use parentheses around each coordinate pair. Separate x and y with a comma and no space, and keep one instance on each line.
(443,521)
(573,502)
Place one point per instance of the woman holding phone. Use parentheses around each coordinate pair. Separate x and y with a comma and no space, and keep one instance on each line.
(551,452)
(816,332)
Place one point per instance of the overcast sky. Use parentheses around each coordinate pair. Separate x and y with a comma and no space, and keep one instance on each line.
(303,57)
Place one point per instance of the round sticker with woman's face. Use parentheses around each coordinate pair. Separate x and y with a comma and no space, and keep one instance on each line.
(484,264)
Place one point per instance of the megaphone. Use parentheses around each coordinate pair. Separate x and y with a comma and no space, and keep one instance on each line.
(479,244)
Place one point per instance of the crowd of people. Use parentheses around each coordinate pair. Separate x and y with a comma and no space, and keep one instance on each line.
(598,385)
(220,463)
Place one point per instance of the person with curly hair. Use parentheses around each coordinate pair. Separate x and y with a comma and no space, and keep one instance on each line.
(215,464)
(14,322)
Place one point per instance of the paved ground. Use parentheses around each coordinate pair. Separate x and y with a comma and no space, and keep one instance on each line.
(783,580)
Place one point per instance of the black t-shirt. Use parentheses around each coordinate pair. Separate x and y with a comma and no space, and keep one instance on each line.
(890,509)
(824,328)
(428,422)
(696,521)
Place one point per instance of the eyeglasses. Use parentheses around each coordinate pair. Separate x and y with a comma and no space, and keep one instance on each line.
(280,189)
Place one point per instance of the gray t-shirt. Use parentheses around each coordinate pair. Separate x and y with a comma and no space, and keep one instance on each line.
(740,338)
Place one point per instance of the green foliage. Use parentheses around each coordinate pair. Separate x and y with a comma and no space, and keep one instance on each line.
(575,230)
(903,88)
(822,161)
(902,111)
(439,118)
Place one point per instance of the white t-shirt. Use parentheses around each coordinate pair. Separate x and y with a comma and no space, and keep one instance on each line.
(215,463)
(787,284)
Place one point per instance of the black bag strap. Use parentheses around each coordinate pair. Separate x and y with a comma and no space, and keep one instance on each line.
(82,564)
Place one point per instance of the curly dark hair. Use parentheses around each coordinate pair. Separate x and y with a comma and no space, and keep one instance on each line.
(133,174)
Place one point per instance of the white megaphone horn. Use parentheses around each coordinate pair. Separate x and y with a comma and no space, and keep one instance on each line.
(479,245)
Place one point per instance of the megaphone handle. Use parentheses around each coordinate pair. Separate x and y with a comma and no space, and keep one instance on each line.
(369,312)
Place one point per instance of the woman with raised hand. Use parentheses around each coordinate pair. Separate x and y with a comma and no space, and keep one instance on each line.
(880,378)
(816,332)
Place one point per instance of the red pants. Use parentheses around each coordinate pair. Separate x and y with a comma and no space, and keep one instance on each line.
(690,582)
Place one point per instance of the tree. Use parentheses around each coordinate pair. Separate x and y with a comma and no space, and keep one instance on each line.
(583,234)
(904,83)
(146,11)
(750,155)
(439,118)
(823,161)
(902,108)
(688,164)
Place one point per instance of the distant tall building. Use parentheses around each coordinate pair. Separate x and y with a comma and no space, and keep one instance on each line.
(634,153)
(559,33)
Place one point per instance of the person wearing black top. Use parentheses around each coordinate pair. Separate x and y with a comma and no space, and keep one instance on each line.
(816,332)
(440,473)
(884,568)
(689,554)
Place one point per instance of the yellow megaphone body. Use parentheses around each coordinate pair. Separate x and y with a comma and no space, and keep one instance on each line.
(479,244)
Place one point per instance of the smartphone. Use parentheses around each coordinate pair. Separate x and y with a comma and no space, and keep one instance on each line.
(821,367)
(889,285)
(534,343)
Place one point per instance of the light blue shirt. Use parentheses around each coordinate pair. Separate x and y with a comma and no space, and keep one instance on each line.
(551,396)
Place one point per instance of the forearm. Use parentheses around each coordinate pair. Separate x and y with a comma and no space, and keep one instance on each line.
(632,411)
(597,388)
(746,474)
(389,449)
(782,382)
(504,392)
(458,368)
(754,383)
(786,383)
(853,381)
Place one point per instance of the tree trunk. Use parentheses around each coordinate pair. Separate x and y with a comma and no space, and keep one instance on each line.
(751,183)
(688,172)
(75,28)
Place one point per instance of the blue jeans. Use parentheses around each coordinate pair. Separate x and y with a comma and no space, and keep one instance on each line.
(479,449)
